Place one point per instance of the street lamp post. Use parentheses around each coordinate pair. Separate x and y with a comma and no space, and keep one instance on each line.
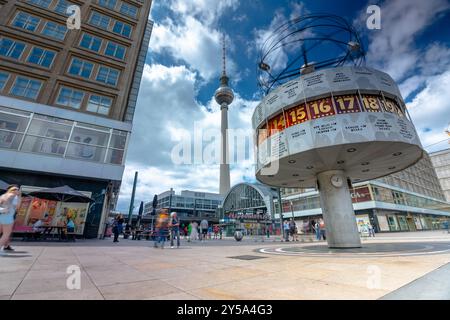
(292,209)
(281,214)
(170,200)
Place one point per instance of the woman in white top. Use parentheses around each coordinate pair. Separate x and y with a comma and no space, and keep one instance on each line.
(9,203)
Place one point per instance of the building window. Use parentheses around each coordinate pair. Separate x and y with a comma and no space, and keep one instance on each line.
(81,68)
(10,48)
(54,30)
(41,57)
(26,21)
(41,3)
(115,50)
(99,20)
(3,79)
(108,75)
(99,104)
(115,152)
(70,98)
(129,10)
(110,4)
(26,87)
(12,126)
(122,29)
(61,7)
(91,42)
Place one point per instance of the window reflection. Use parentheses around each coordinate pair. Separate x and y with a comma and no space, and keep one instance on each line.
(44,145)
(85,152)
(50,135)
(10,128)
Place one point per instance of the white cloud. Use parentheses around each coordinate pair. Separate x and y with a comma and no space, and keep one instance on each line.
(272,36)
(430,111)
(205,10)
(167,112)
(422,72)
(193,37)
(392,48)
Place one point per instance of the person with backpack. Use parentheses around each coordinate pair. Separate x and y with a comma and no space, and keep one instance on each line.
(9,203)
(322,230)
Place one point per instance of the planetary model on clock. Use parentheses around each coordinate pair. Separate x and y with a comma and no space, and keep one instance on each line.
(326,120)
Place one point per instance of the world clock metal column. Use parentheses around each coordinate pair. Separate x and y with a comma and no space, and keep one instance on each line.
(224,97)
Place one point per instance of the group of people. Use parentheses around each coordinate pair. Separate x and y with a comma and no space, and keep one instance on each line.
(319,229)
(290,230)
(203,231)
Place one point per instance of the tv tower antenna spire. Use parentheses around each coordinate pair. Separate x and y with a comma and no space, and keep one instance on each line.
(224,97)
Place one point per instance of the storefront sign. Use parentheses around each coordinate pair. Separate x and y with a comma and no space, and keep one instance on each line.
(248,216)
(360,194)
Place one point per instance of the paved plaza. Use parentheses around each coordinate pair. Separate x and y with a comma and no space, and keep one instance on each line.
(389,266)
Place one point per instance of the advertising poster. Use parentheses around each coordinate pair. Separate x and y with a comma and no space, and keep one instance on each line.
(76,211)
(383,223)
(362,222)
(39,208)
(23,210)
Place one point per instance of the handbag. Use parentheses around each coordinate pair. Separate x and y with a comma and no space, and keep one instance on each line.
(4,209)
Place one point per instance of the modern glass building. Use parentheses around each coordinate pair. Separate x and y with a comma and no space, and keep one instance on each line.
(441,163)
(386,207)
(249,207)
(67,99)
(189,205)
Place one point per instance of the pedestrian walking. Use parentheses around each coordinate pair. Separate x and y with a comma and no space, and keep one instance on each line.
(371,230)
(194,231)
(322,230)
(189,231)
(317,230)
(204,229)
(117,226)
(162,227)
(292,228)
(216,232)
(9,204)
(186,233)
(174,225)
(286,230)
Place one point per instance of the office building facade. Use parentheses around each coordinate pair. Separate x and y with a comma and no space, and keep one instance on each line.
(189,205)
(409,200)
(67,99)
(441,163)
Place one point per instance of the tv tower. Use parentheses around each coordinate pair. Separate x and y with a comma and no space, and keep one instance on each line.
(224,96)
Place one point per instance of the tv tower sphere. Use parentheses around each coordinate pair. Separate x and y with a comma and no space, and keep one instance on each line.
(224,95)
(329,123)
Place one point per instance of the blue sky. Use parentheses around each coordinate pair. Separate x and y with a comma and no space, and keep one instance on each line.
(184,63)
